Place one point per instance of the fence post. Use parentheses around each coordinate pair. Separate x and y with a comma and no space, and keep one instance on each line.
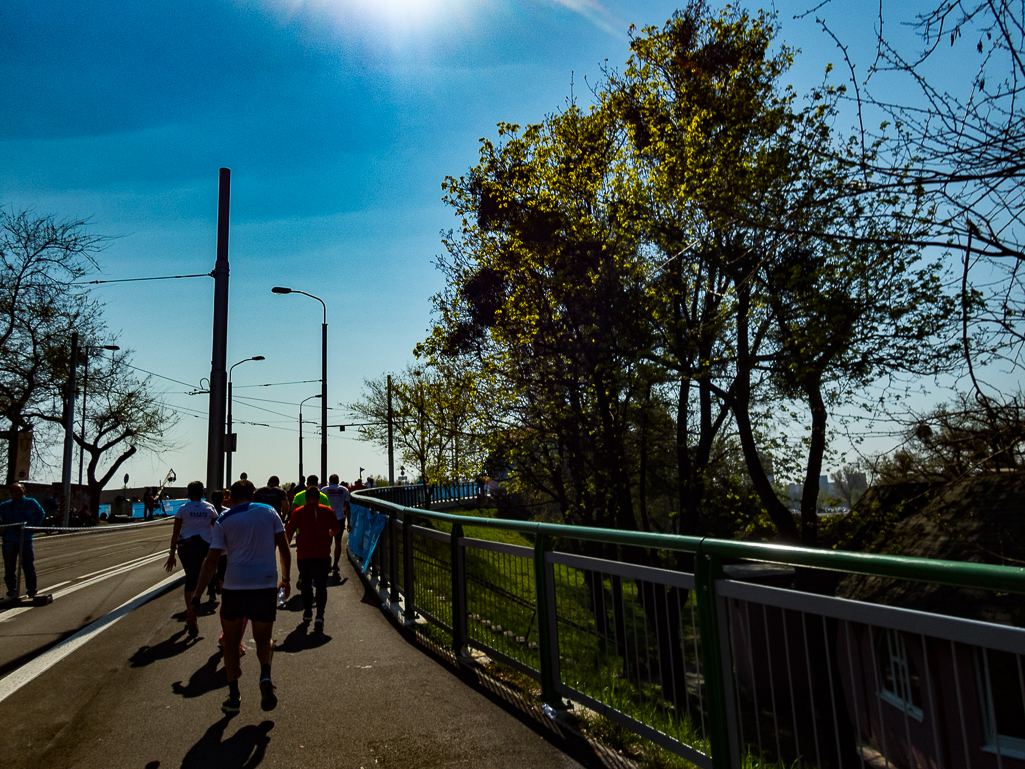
(458,590)
(409,613)
(547,645)
(21,555)
(706,571)
(393,558)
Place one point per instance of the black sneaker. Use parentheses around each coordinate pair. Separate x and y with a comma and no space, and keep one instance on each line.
(192,630)
(268,699)
(232,705)
(307,616)
(318,625)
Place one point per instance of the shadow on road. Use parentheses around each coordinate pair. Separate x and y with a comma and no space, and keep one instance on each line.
(301,639)
(166,649)
(243,750)
(206,679)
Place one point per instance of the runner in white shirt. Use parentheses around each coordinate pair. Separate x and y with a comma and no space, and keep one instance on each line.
(248,534)
(193,527)
(338,496)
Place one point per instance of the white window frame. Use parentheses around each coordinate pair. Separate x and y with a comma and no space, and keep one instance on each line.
(895,655)
(1012,747)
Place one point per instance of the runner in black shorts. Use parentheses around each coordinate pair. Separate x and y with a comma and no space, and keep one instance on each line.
(193,528)
(249,534)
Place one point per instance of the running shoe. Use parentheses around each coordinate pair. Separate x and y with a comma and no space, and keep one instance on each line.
(192,630)
(318,625)
(307,616)
(268,699)
(232,705)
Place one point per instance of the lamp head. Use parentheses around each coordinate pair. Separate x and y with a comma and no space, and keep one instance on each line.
(257,357)
(111,347)
(280,290)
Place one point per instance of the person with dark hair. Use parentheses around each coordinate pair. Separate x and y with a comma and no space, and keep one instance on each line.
(19,509)
(338,495)
(248,534)
(317,525)
(193,528)
(272,494)
(300,496)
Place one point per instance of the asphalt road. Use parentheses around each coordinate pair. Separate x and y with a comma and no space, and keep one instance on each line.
(88,574)
(363,694)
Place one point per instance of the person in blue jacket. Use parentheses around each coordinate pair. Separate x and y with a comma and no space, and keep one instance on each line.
(19,509)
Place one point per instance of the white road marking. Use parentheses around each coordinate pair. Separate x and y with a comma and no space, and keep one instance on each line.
(118,566)
(30,671)
(111,571)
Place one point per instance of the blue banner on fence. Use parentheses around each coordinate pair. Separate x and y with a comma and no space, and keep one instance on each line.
(366,530)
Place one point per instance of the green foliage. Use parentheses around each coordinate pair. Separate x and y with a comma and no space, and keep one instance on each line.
(642,290)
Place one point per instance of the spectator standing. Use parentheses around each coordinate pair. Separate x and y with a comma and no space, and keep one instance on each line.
(338,496)
(19,509)
(316,524)
(190,538)
(248,534)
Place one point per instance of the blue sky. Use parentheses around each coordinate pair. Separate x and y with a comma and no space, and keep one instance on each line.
(339,119)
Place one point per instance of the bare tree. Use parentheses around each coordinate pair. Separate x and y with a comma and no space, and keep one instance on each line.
(954,110)
(123,417)
(40,305)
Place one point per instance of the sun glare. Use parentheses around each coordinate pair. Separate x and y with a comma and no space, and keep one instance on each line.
(388,16)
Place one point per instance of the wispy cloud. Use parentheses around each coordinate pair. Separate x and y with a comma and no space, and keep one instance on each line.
(598,15)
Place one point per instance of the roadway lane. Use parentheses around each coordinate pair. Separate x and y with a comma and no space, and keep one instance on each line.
(142,694)
(89,574)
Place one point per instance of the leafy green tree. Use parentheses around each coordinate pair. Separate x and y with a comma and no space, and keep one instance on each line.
(786,289)
(435,415)
(546,297)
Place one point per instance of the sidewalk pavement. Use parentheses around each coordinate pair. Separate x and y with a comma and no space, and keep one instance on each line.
(364,694)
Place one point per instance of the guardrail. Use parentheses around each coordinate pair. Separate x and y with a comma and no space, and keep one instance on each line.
(723,664)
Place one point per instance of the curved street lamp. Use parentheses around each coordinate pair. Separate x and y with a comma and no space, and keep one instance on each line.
(318,395)
(323,377)
(229,444)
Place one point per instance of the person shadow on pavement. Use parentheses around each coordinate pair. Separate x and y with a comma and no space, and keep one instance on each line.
(170,647)
(209,677)
(245,749)
(301,639)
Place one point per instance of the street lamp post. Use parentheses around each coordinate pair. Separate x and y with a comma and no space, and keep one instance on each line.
(229,444)
(318,395)
(323,376)
(85,387)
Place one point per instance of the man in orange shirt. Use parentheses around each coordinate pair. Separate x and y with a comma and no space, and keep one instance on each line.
(317,525)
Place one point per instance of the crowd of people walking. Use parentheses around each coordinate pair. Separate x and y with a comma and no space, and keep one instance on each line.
(231,545)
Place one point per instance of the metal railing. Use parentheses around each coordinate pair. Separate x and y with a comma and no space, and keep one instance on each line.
(721,663)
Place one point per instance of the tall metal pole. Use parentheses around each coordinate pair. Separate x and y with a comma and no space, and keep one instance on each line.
(229,435)
(69,430)
(323,401)
(391,433)
(301,404)
(227,438)
(85,387)
(218,374)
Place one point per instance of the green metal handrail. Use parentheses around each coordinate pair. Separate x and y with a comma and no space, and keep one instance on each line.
(709,556)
